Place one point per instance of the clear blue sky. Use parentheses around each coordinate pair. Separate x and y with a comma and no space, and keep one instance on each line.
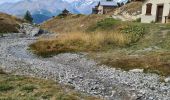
(3,1)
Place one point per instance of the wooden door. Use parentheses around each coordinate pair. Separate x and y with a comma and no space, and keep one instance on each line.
(160,13)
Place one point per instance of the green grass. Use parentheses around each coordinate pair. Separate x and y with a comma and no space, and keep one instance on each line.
(5,87)
(104,24)
(27,88)
(150,52)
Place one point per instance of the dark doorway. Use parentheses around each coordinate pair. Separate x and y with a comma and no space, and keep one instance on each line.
(159,13)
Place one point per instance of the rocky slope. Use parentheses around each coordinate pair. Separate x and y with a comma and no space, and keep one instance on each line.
(130,11)
(82,73)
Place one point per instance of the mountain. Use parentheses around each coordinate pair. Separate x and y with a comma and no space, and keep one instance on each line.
(43,9)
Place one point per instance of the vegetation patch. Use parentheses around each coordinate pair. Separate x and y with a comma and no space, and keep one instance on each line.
(5,87)
(9,24)
(26,88)
(1,71)
(126,45)
(152,62)
(119,34)
(105,24)
(29,88)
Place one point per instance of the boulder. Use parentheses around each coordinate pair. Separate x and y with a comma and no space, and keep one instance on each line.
(35,31)
(30,29)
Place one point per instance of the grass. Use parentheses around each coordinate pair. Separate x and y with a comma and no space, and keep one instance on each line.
(72,23)
(152,62)
(27,88)
(125,45)
(5,87)
(96,40)
(9,24)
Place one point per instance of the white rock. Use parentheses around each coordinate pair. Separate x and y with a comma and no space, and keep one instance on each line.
(137,70)
(35,31)
(167,79)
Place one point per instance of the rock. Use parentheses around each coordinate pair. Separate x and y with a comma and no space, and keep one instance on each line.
(137,70)
(167,79)
(30,29)
(35,31)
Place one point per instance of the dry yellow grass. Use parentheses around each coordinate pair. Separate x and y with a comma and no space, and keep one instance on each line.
(72,23)
(9,23)
(98,36)
(78,41)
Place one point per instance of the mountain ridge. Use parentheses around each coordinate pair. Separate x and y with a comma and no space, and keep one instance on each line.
(51,8)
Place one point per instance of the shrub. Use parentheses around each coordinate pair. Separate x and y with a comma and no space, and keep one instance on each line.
(5,87)
(1,71)
(28,88)
(134,32)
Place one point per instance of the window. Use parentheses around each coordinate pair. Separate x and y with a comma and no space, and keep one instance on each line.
(148,9)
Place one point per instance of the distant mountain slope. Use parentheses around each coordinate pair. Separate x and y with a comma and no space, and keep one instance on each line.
(9,23)
(49,8)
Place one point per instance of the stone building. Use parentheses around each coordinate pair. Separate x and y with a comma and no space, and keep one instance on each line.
(104,7)
(155,11)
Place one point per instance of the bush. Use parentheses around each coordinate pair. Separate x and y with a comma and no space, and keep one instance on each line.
(5,87)
(29,88)
(134,32)
(1,71)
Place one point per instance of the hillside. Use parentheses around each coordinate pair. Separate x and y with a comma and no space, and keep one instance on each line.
(72,23)
(9,23)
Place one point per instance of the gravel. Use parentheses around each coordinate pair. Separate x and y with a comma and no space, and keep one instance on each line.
(83,74)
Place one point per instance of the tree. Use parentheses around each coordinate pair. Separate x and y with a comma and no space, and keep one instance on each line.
(28,17)
(64,13)
(128,1)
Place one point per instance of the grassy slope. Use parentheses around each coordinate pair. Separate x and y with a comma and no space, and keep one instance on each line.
(73,23)
(26,88)
(151,52)
(115,43)
(9,23)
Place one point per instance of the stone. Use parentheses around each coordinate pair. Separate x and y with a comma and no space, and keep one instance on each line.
(35,31)
(167,79)
(137,70)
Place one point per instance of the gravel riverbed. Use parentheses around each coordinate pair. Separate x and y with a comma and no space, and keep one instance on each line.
(83,74)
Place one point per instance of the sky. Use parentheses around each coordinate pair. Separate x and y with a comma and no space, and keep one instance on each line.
(4,1)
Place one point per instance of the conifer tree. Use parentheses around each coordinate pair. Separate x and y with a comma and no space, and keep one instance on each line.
(28,17)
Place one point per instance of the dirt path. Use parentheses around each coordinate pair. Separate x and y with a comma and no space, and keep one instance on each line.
(83,74)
